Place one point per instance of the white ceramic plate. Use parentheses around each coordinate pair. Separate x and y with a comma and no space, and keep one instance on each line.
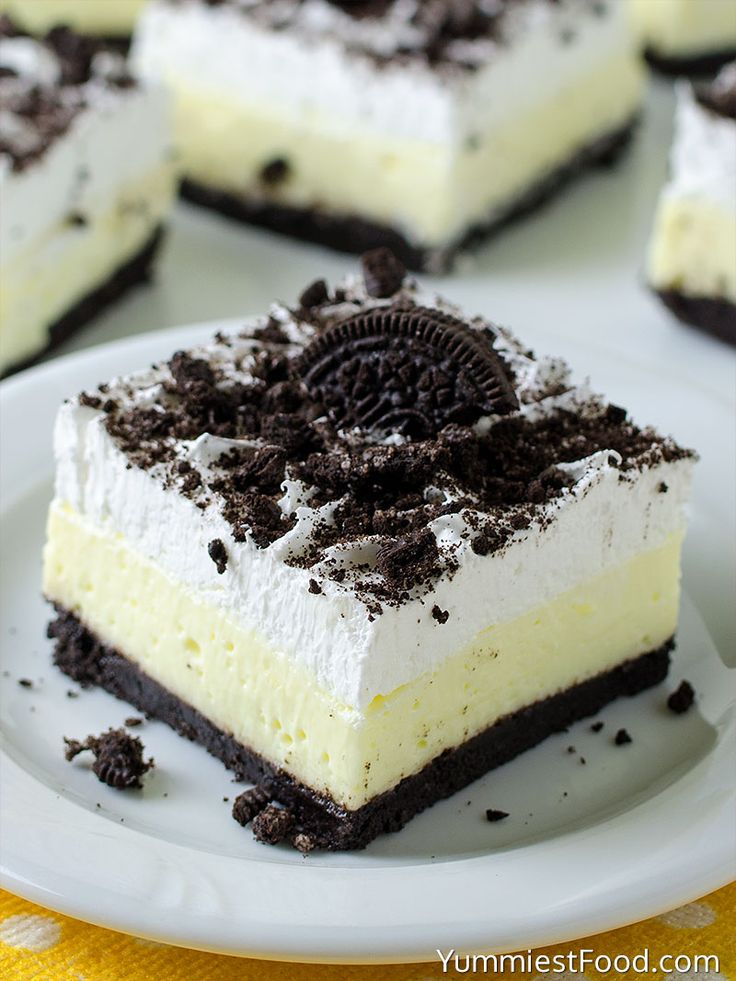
(637,830)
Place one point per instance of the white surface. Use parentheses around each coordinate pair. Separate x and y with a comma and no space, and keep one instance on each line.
(643,828)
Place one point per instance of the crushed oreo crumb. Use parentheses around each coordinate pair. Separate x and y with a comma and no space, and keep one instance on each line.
(314,587)
(495,815)
(596,727)
(276,171)
(218,553)
(303,842)
(25,682)
(383,272)
(118,758)
(682,699)
(272,824)
(622,737)
(314,295)
(409,560)
(441,616)
(133,721)
(250,803)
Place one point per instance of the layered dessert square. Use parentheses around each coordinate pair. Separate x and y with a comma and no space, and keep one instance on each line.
(86,178)
(684,36)
(692,254)
(420,126)
(363,550)
(109,19)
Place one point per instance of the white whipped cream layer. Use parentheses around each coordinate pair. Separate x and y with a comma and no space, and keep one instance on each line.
(602,520)
(121,136)
(316,62)
(703,157)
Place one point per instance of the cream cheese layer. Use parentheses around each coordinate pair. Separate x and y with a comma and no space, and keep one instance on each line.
(427,152)
(107,18)
(693,246)
(684,28)
(274,704)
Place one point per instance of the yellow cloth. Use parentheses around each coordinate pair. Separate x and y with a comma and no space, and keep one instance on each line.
(43,946)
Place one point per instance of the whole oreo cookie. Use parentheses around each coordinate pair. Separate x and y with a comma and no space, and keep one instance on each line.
(406,371)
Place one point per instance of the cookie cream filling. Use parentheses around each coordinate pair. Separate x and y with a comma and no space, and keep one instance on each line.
(360,128)
(693,246)
(81,195)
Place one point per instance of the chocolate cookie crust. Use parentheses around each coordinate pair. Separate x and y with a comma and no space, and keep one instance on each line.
(79,654)
(716,317)
(704,64)
(135,271)
(350,233)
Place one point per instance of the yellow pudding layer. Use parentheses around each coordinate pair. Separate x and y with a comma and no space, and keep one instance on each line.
(693,248)
(109,18)
(431,192)
(684,28)
(54,271)
(272,705)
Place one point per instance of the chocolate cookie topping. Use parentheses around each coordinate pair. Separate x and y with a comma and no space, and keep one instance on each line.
(405,371)
(118,757)
(383,272)
(218,553)
(45,83)
(449,35)
(348,430)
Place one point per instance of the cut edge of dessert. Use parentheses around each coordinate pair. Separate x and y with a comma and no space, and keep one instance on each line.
(87,178)
(691,262)
(363,550)
(402,141)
